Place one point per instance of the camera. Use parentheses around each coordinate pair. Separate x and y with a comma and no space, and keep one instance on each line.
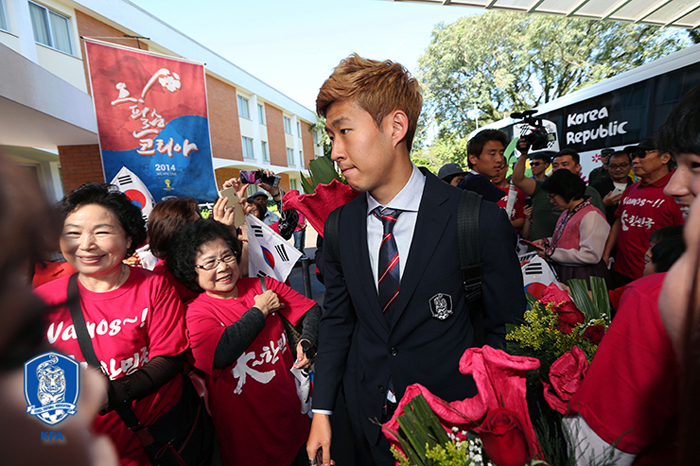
(533,131)
(259,176)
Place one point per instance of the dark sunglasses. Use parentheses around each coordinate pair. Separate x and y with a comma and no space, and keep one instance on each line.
(640,154)
(536,164)
(622,166)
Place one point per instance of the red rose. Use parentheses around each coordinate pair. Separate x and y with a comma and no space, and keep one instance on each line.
(565,376)
(594,334)
(504,439)
(567,313)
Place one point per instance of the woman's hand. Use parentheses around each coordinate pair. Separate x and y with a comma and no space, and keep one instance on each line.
(133,260)
(222,213)
(302,362)
(528,212)
(268,302)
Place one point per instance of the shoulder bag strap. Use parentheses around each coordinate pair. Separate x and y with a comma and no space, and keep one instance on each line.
(76,312)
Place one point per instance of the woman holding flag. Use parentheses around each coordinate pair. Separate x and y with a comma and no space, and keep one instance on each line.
(238,339)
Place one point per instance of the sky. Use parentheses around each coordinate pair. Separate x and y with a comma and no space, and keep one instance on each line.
(293,45)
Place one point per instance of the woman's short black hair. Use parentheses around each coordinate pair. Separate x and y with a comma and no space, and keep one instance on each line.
(666,252)
(108,196)
(566,184)
(184,249)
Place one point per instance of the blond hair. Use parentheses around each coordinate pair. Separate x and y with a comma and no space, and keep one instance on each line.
(378,87)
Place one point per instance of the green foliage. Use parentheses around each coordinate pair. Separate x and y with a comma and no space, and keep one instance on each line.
(595,305)
(504,62)
(324,141)
(419,430)
(322,171)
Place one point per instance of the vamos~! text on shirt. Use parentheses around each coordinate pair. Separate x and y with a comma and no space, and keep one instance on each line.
(67,331)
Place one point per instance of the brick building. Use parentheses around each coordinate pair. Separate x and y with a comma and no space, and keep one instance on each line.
(47,119)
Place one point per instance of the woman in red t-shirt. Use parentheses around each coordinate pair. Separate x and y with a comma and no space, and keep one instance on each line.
(237,338)
(134,317)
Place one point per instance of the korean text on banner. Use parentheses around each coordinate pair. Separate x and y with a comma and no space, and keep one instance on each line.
(152,120)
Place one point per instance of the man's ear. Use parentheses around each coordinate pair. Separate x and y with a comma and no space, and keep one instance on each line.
(399,126)
(473,159)
(665,157)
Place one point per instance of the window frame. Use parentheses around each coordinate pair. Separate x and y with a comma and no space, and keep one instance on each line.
(245,146)
(287,124)
(261,113)
(243,99)
(49,28)
(290,157)
(3,16)
(265,152)
(298,129)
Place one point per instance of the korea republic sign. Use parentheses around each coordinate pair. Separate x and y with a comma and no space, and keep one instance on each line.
(152,120)
(51,387)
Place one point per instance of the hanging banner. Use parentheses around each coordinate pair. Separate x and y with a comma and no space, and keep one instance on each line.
(152,120)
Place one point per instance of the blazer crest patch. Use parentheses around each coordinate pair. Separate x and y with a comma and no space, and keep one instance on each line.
(441,306)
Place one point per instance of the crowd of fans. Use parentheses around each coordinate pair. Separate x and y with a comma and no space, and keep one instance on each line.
(203,327)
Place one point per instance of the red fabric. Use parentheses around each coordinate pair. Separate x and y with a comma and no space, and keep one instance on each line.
(317,207)
(50,271)
(500,382)
(518,207)
(138,321)
(253,401)
(565,377)
(615,296)
(185,293)
(630,391)
(642,210)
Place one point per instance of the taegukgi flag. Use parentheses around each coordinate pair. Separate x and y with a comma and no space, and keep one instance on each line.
(268,253)
(135,190)
(152,119)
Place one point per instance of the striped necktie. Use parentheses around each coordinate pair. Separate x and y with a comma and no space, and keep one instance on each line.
(389,277)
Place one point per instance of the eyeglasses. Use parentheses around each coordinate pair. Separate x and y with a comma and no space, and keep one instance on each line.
(211,264)
(641,153)
(622,166)
(536,164)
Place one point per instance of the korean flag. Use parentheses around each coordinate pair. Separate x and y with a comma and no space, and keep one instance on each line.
(269,255)
(135,190)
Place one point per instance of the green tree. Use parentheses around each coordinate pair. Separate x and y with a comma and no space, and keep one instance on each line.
(323,141)
(504,62)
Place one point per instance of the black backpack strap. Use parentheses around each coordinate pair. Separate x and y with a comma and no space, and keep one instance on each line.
(331,238)
(468,235)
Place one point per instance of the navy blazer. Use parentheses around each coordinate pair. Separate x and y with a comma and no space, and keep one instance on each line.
(359,347)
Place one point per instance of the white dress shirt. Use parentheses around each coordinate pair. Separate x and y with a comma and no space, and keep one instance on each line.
(408,201)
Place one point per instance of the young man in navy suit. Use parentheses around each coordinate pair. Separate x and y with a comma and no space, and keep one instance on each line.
(395,311)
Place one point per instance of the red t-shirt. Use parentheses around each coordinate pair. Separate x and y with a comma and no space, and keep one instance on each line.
(254,403)
(518,208)
(131,325)
(50,271)
(185,293)
(630,391)
(642,210)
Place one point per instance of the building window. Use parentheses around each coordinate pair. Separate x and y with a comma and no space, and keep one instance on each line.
(287,125)
(315,136)
(248,148)
(266,156)
(243,109)
(50,28)
(261,114)
(290,156)
(3,17)
(301,158)
(298,129)
(293,184)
